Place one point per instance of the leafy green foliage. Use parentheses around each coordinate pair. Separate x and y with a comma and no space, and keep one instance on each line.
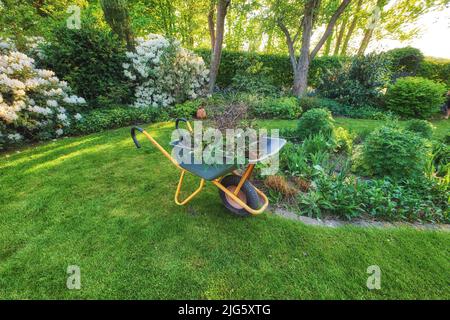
(359,82)
(90,60)
(317,143)
(314,121)
(415,97)
(441,159)
(379,198)
(422,127)
(186,109)
(396,153)
(339,109)
(293,159)
(343,139)
(252,76)
(278,108)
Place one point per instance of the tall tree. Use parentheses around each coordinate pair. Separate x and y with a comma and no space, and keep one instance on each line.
(340,35)
(301,65)
(371,24)
(355,13)
(217,39)
(116,15)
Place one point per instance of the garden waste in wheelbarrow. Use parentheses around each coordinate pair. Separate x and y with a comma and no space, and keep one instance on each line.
(237,193)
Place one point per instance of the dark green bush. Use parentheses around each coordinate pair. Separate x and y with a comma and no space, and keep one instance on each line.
(415,97)
(115,117)
(186,109)
(314,121)
(399,154)
(90,60)
(308,103)
(278,108)
(359,82)
(405,61)
(422,127)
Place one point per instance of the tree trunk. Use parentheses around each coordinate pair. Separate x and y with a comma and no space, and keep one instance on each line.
(116,15)
(351,29)
(339,37)
(365,41)
(290,44)
(301,72)
(212,32)
(330,26)
(302,67)
(328,43)
(222,7)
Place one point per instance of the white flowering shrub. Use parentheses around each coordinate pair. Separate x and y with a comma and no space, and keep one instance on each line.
(34,103)
(164,73)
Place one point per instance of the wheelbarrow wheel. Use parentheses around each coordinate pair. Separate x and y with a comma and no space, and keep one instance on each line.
(247,194)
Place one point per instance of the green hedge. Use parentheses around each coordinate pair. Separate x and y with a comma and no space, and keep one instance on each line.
(115,117)
(435,70)
(281,69)
(279,63)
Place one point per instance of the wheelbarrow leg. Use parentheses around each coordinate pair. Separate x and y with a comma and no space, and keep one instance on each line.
(177,193)
(245,176)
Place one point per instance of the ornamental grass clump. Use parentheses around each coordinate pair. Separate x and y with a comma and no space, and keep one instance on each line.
(164,73)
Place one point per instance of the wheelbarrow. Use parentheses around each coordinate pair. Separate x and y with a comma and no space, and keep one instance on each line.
(236,192)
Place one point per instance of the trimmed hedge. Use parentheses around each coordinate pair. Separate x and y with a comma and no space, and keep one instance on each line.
(280,65)
(118,116)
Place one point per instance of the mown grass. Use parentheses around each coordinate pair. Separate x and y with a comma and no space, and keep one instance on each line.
(99,203)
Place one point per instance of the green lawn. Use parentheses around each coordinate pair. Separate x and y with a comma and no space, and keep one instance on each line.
(358,125)
(99,203)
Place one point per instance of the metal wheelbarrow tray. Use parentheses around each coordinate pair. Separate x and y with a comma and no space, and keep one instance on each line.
(237,193)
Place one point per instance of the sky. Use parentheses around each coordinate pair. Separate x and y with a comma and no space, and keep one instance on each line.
(434,39)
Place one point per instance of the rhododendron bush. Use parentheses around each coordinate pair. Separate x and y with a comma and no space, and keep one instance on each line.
(34,103)
(164,73)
